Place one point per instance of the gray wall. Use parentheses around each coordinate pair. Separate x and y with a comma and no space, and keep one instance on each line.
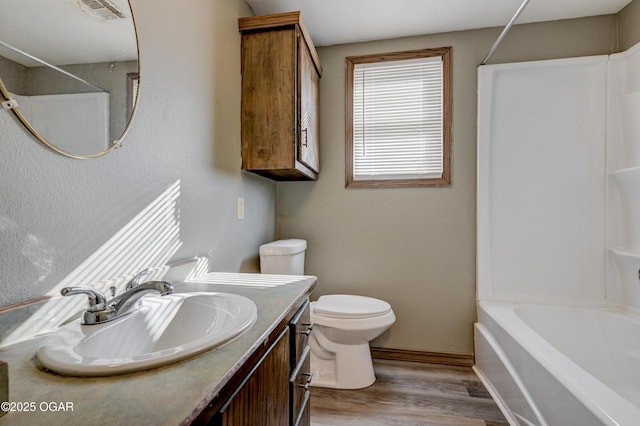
(629,25)
(13,75)
(56,212)
(414,247)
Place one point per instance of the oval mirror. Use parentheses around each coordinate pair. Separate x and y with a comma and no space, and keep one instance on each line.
(69,71)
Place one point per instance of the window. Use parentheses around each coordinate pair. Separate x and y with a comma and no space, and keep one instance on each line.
(399,119)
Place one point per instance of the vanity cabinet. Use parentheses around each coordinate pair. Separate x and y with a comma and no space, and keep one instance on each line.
(246,381)
(280,98)
(273,390)
(263,398)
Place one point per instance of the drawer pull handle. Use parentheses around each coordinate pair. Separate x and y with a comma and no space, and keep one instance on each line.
(309,326)
(305,386)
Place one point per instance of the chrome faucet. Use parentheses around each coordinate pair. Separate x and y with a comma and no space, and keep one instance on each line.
(135,281)
(122,304)
(100,310)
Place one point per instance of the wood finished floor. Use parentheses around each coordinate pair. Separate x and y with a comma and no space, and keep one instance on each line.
(406,394)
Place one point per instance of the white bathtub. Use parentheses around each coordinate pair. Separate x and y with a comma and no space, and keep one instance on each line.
(560,366)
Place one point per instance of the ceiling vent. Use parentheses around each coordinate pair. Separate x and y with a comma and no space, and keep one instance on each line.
(104,9)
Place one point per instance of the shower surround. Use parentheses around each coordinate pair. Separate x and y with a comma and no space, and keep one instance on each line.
(559,227)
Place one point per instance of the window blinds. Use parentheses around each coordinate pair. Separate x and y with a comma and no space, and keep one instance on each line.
(397,119)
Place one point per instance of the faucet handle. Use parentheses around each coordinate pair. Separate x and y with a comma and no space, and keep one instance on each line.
(98,311)
(97,299)
(135,281)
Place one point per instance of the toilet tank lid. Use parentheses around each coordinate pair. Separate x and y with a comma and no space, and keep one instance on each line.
(350,306)
(283,247)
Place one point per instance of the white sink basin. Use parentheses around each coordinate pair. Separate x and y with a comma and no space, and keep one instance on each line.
(163,330)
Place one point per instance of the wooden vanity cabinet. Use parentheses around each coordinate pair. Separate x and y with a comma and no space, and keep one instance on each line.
(274,389)
(280,98)
(263,398)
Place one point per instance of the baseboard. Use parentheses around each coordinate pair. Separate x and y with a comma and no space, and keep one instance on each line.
(422,356)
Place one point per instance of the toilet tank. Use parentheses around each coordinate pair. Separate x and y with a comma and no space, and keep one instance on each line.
(283,257)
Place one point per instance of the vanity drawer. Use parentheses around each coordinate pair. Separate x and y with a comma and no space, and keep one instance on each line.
(300,394)
(301,327)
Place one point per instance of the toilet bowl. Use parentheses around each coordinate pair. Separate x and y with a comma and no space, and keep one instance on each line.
(343,324)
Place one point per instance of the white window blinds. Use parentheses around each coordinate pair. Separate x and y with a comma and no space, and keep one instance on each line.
(398,119)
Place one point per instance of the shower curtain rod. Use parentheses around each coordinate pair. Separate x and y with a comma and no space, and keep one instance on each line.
(505,31)
(40,61)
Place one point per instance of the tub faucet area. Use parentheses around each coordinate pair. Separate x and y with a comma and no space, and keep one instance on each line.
(100,310)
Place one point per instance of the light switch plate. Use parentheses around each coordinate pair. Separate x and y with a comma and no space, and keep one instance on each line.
(240,208)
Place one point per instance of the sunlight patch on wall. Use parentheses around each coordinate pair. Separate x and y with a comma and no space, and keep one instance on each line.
(149,240)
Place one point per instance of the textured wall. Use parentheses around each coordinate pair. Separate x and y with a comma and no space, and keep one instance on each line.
(182,154)
(414,247)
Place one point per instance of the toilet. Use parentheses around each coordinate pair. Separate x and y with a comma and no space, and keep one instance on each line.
(343,325)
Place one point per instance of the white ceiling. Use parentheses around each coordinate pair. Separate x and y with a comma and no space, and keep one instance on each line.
(345,21)
(60,32)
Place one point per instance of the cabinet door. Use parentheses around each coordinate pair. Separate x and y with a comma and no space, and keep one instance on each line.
(309,105)
(263,399)
(268,112)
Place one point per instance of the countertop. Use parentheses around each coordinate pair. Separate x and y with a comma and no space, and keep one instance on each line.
(172,394)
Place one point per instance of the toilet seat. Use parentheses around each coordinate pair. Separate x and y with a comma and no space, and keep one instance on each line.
(342,306)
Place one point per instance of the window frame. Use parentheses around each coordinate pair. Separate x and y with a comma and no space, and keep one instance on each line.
(350,62)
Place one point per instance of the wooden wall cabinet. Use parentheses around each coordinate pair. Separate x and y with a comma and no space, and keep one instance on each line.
(280,98)
(275,389)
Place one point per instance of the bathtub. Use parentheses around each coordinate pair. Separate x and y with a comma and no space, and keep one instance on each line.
(560,366)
